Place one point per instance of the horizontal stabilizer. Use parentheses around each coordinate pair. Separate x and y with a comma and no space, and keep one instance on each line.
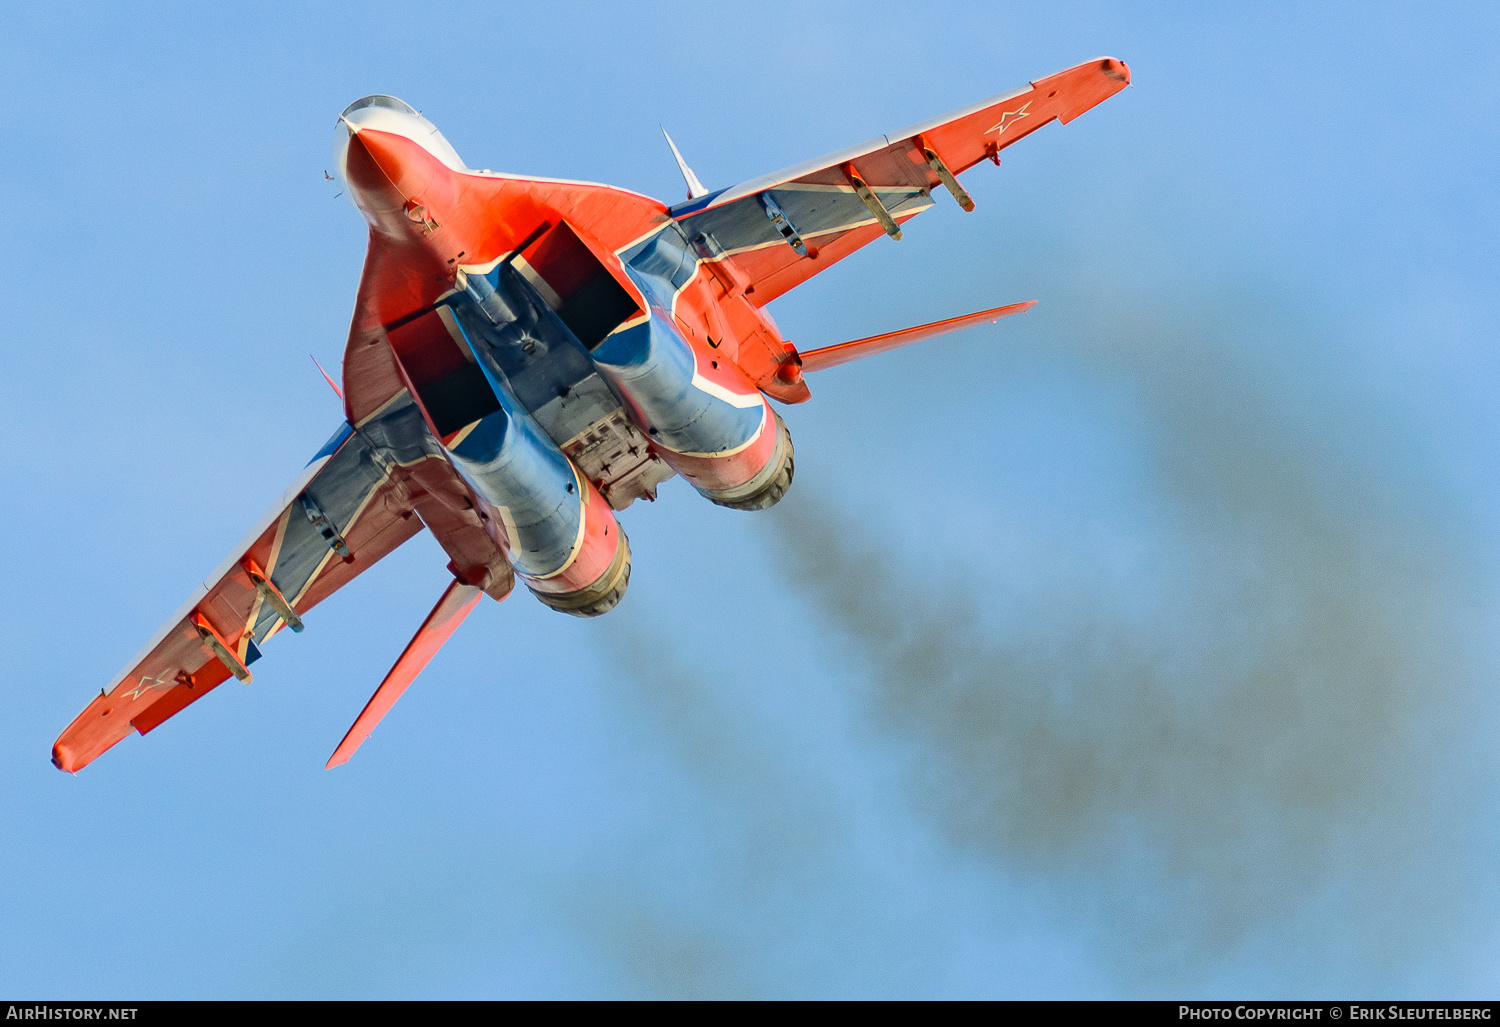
(457,602)
(832,356)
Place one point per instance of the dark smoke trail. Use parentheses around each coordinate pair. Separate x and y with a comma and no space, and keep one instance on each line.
(761,829)
(1266,761)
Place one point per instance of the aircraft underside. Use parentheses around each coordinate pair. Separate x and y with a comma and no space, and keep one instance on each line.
(529,357)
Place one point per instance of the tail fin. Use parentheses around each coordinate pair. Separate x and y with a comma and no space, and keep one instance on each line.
(336,390)
(695,187)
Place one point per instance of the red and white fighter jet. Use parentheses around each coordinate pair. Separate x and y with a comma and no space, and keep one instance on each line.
(530,356)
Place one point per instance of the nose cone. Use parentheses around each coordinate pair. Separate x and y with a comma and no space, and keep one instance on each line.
(386,152)
(370,186)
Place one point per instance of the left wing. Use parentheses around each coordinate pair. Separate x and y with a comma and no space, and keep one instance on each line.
(783,228)
(341,515)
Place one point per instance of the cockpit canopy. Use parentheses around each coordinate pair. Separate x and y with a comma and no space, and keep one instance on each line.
(388,102)
(386,114)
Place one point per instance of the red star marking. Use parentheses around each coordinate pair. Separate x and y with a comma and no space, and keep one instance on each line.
(146,684)
(1007,118)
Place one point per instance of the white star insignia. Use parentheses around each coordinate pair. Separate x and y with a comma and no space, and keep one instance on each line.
(1007,118)
(156,684)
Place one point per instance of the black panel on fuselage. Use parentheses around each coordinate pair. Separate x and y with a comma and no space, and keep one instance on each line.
(545,365)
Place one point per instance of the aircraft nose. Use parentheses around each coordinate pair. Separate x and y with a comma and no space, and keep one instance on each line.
(386,152)
(371,173)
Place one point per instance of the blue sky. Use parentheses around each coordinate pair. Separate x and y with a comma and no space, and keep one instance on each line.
(1142,645)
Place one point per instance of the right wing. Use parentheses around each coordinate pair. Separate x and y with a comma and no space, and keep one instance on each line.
(831,206)
(341,515)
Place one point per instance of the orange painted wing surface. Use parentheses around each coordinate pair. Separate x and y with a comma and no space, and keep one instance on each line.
(298,566)
(820,198)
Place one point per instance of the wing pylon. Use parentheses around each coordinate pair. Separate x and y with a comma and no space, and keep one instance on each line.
(279,571)
(844,200)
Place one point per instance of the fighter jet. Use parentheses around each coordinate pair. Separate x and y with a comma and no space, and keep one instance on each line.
(530,356)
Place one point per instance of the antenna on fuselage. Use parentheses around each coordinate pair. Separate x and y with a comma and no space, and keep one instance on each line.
(695,187)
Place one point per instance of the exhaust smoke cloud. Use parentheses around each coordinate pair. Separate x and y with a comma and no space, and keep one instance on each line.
(1255,758)
(1269,754)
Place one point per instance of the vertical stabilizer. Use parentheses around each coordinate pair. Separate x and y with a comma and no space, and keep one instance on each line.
(695,187)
